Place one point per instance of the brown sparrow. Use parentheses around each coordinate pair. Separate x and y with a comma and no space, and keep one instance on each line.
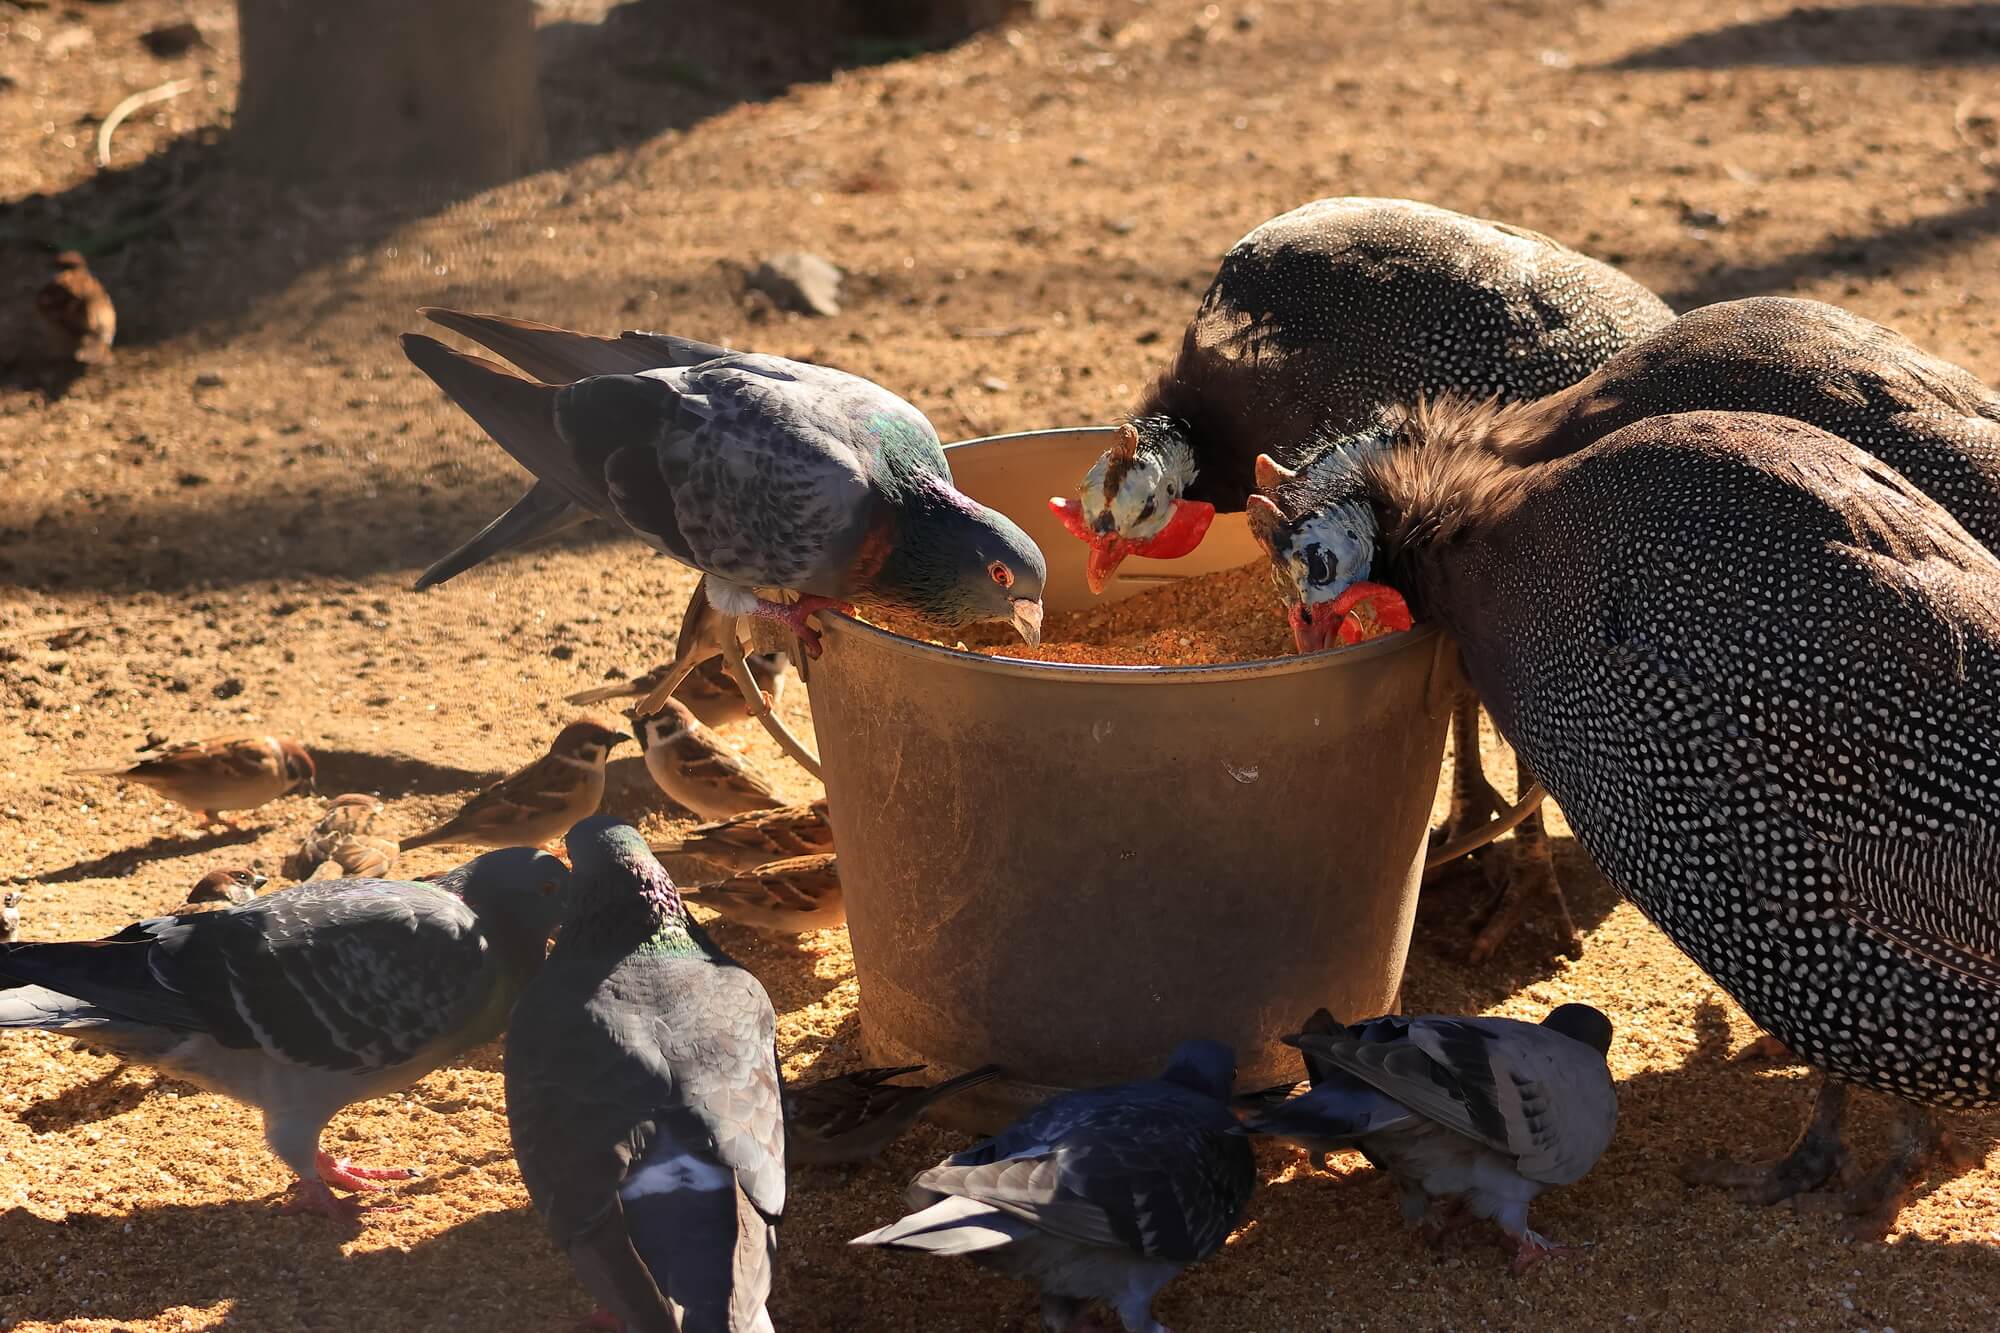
(222,773)
(758,838)
(708,693)
(77,312)
(852,1117)
(343,843)
(10,916)
(233,885)
(538,804)
(697,769)
(787,897)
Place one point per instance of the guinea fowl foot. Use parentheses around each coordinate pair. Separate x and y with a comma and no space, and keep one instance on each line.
(792,615)
(359,1179)
(604,1319)
(1530,878)
(1814,1159)
(1872,1204)
(314,1198)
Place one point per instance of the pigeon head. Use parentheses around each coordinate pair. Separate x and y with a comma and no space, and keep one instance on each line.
(1581,1022)
(515,887)
(957,563)
(1208,1067)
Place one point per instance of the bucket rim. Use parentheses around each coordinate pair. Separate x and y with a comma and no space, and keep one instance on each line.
(1126,673)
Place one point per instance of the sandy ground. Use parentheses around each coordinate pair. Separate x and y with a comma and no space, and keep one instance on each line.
(217,534)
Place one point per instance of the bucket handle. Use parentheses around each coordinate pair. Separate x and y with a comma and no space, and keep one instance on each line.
(1473,839)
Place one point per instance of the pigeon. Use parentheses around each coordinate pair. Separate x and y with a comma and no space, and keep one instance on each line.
(10,915)
(533,806)
(708,692)
(788,897)
(344,843)
(218,774)
(78,320)
(756,839)
(306,1000)
(234,885)
(766,474)
(854,1117)
(1099,1195)
(697,769)
(644,1101)
(1476,1115)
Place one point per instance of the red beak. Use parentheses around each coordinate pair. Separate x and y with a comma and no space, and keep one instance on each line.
(1365,611)
(1185,528)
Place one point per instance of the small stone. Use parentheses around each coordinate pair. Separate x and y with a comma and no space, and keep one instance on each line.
(208,379)
(228,688)
(993,384)
(1121,226)
(1703,219)
(172,39)
(800,282)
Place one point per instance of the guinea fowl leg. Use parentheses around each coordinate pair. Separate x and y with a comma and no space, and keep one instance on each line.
(339,1171)
(1530,877)
(1766,1049)
(1873,1203)
(1473,799)
(1814,1159)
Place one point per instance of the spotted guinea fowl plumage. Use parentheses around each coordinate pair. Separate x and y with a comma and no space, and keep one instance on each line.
(1761,673)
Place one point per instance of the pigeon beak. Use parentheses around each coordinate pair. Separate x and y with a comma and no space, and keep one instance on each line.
(1027,619)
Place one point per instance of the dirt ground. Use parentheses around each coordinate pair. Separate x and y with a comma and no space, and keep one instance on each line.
(217,533)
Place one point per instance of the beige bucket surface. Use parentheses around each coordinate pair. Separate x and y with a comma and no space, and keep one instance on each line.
(1068,869)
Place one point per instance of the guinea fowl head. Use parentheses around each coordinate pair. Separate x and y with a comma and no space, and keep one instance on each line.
(1131,500)
(1319,527)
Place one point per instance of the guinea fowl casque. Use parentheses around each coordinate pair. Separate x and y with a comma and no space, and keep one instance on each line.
(768,475)
(1931,420)
(1316,323)
(1760,671)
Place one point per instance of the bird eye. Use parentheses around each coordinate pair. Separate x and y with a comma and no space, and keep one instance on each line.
(1000,574)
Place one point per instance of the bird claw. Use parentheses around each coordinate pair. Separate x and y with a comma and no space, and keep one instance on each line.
(312,1197)
(1532,1249)
(792,615)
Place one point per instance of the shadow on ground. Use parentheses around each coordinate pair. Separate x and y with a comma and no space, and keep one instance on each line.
(1869,34)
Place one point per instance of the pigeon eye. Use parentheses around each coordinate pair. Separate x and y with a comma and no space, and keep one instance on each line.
(1000,574)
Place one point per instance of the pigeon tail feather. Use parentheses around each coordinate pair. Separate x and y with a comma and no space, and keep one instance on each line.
(952,1225)
(542,512)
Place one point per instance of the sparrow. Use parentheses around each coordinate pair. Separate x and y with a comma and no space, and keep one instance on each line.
(771,476)
(708,692)
(234,885)
(855,1117)
(758,838)
(697,769)
(343,843)
(10,916)
(789,897)
(77,315)
(539,803)
(222,773)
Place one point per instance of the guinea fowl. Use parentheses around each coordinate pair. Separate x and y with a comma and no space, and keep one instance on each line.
(1932,421)
(1760,671)
(767,474)
(1317,322)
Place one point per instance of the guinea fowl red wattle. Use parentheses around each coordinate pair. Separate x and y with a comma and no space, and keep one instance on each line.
(1364,611)
(1185,528)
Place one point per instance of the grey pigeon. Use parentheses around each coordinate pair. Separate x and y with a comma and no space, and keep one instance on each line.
(1467,1114)
(303,1001)
(1099,1195)
(644,1101)
(853,1117)
(763,472)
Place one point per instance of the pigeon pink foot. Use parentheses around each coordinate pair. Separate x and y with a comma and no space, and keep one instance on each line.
(359,1179)
(792,615)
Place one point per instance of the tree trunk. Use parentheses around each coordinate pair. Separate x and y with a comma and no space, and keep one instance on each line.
(431,89)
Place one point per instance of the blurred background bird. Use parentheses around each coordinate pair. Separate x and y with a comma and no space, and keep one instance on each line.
(220,774)
(79,323)
(787,898)
(854,1117)
(708,692)
(757,838)
(344,843)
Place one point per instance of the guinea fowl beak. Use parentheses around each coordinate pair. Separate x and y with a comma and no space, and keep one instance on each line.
(1027,619)
(1363,611)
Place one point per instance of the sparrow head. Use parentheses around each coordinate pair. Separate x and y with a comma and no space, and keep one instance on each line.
(1205,1066)
(674,720)
(69,260)
(232,885)
(519,886)
(299,770)
(587,742)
